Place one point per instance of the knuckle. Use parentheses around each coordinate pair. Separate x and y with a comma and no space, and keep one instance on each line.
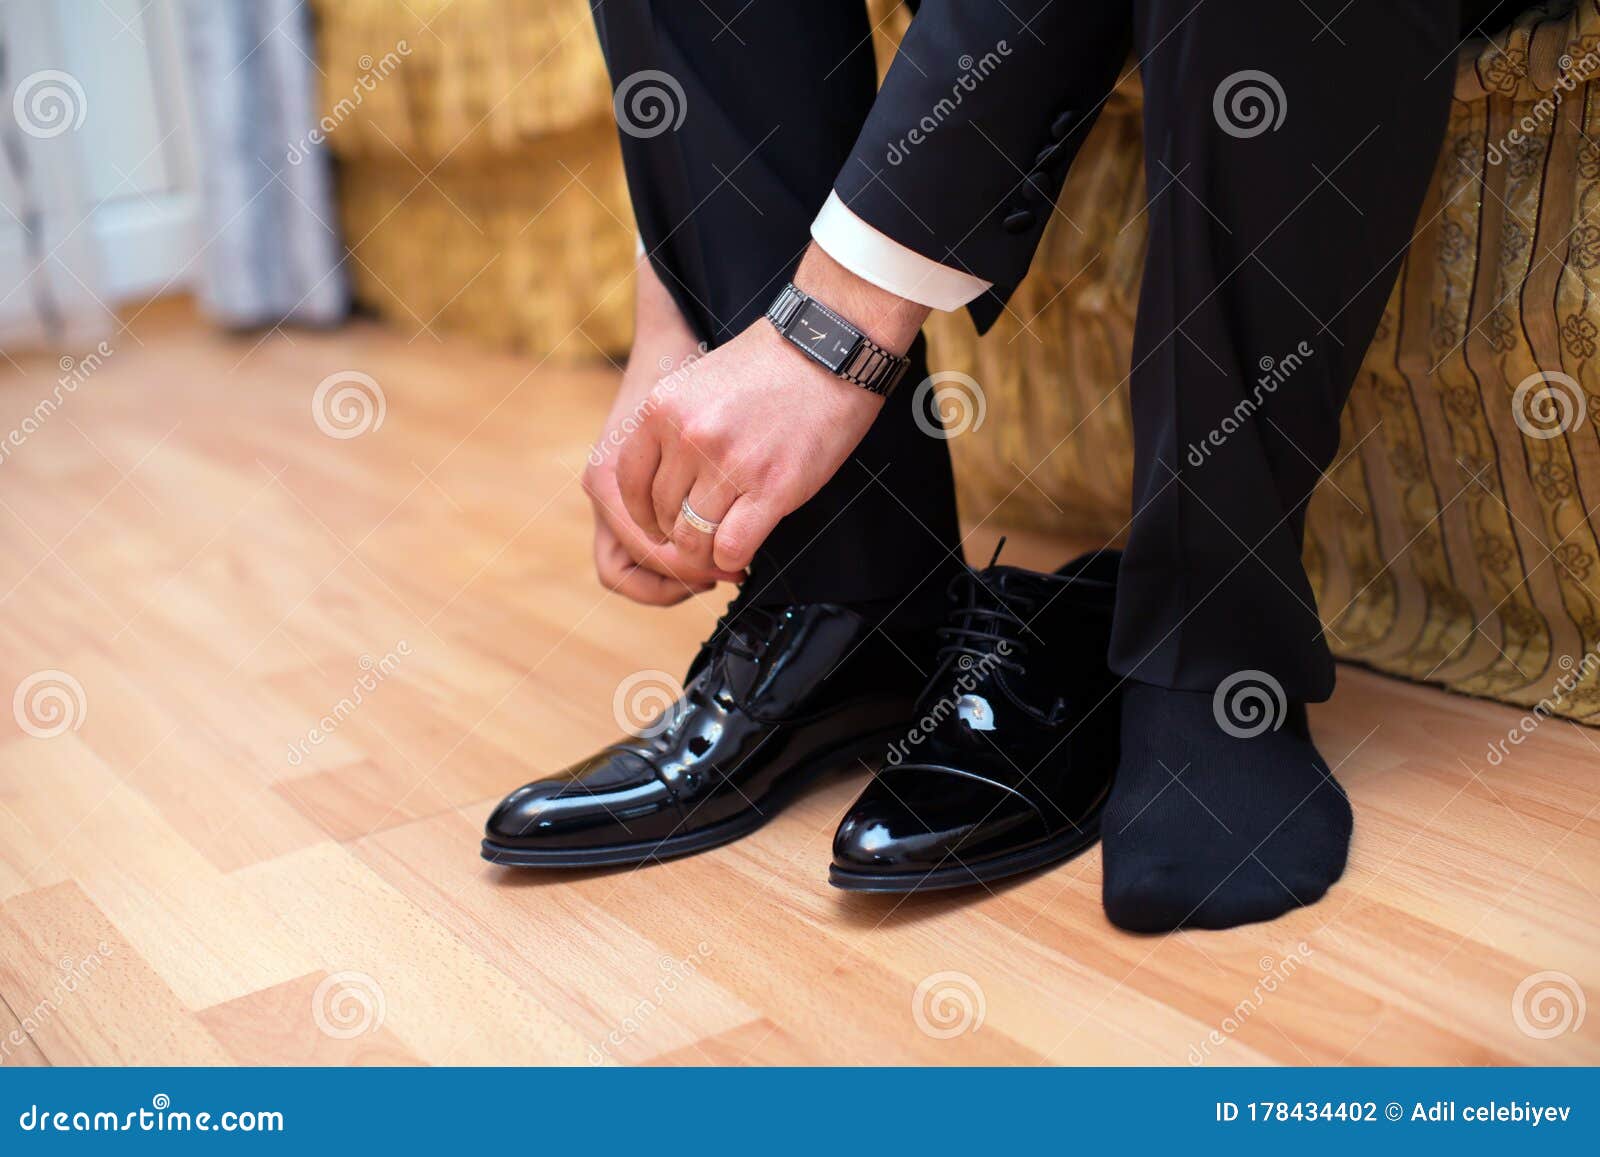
(705,435)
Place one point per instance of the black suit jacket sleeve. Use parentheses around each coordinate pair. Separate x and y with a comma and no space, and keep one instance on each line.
(965,149)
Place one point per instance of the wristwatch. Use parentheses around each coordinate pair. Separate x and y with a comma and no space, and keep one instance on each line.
(831,341)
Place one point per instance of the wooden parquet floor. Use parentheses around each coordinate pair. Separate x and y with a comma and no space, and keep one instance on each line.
(194,574)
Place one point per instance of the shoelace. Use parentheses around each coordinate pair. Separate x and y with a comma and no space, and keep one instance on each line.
(742,631)
(979,626)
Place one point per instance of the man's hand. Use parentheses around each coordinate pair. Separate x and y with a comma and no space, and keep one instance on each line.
(625,560)
(755,428)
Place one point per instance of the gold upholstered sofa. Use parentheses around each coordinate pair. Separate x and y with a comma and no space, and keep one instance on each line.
(1451,543)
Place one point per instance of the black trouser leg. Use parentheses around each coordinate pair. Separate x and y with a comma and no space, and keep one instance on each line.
(772,95)
(1273,247)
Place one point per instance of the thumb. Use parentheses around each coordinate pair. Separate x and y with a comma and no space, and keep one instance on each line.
(742,531)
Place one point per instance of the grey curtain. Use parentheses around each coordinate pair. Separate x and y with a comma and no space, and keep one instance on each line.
(274,252)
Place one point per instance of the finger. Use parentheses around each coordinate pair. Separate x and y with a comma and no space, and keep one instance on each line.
(652,590)
(710,498)
(618,572)
(662,558)
(744,528)
(674,478)
(636,469)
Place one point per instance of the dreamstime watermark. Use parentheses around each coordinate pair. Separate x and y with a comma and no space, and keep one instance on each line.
(48,103)
(959,701)
(160,1117)
(372,72)
(1249,703)
(71,975)
(49,703)
(348,1004)
(1547,404)
(74,373)
(674,375)
(1548,1004)
(373,673)
(348,404)
(648,703)
(1573,676)
(973,73)
(1274,372)
(1249,103)
(675,973)
(947,404)
(948,1004)
(648,103)
(1573,74)
(1274,972)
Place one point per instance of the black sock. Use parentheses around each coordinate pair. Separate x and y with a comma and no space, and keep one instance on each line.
(1217,818)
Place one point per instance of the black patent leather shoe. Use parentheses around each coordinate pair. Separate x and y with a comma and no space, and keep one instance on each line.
(779,696)
(1009,762)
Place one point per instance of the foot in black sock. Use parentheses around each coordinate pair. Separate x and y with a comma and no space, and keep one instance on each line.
(1210,826)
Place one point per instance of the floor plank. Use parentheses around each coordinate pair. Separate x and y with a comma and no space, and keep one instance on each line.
(280,849)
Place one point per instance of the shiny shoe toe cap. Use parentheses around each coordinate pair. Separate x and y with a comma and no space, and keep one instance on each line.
(919,819)
(613,796)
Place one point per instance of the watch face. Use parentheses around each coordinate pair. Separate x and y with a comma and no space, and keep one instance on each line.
(825,338)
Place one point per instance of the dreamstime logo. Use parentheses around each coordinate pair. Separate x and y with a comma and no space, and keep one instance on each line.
(1574,74)
(72,975)
(1574,674)
(675,974)
(372,71)
(1274,372)
(958,700)
(373,673)
(956,400)
(74,373)
(1547,404)
(649,103)
(1249,703)
(947,1004)
(647,703)
(1275,972)
(348,1004)
(973,73)
(49,103)
(1548,1004)
(674,374)
(348,404)
(49,703)
(1249,103)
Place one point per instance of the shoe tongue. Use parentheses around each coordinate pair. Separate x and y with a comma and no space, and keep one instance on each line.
(1008,579)
(968,691)
(734,648)
(750,668)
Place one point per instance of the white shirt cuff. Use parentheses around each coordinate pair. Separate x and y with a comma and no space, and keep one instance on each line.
(880,259)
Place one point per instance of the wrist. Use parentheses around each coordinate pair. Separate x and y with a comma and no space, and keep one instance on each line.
(891,321)
(659,327)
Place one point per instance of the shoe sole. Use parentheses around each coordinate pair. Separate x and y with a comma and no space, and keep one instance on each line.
(962,875)
(688,843)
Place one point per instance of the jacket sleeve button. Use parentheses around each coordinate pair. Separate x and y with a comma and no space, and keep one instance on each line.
(1019,221)
(1037,187)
